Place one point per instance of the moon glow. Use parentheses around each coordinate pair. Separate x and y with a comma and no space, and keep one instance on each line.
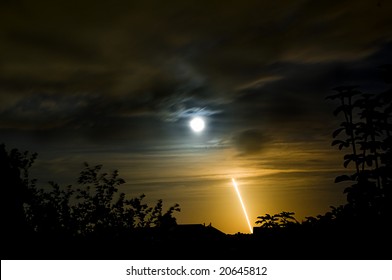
(197,124)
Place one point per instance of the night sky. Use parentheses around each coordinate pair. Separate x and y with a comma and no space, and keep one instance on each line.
(117,82)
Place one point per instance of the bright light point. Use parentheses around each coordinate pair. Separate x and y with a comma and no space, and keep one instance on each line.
(242,203)
(197,124)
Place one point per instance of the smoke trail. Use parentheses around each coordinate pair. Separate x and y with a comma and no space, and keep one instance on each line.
(242,203)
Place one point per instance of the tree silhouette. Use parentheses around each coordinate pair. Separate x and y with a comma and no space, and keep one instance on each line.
(366,130)
(283,219)
(92,208)
(14,167)
(363,223)
(90,212)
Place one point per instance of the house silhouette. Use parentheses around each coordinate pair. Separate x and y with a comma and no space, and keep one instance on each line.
(196,232)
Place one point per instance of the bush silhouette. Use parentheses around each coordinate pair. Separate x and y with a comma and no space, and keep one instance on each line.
(283,219)
(94,210)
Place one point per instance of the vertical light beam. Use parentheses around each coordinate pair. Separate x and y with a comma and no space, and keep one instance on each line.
(242,203)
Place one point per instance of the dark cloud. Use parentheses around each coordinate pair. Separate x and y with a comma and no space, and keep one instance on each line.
(251,141)
(84,64)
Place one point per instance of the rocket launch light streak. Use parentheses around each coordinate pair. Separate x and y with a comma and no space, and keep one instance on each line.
(242,203)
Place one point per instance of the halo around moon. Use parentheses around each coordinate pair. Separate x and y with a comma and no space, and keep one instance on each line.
(197,124)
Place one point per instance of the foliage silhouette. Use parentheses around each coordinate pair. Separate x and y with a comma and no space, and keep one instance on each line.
(74,215)
(92,209)
(14,167)
(283,219)
(367,130)
(364,222)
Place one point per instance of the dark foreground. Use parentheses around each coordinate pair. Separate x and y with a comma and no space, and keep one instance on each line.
(196,242)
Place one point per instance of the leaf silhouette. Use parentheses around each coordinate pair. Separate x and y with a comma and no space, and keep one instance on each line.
(337,132)
(342,178)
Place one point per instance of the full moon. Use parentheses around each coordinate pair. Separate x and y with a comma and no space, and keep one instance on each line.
(197,124)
